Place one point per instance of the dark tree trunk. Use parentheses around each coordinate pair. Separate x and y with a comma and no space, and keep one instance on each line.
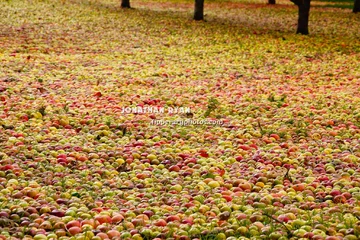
(125,3)
(356,8)
(303,20)
(199,10)
(271,1)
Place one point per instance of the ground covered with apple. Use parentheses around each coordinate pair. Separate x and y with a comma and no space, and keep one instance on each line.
(283,165)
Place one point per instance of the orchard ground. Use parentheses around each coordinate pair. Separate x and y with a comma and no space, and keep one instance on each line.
(284,165)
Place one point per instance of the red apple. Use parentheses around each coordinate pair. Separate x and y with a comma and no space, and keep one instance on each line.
(160,223)
(73,223)
(74,230)
(103,218)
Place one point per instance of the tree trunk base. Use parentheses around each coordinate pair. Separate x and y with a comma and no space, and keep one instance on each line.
(302,31)
(356,8)
(125,4)
(199,10)
(303,20)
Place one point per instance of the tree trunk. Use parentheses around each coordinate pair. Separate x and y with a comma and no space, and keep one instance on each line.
(303,20)
(271,1)
(356,8)
(125,3)
(199,10)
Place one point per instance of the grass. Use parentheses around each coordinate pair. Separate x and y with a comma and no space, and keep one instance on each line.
(337,1)
(341,4)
